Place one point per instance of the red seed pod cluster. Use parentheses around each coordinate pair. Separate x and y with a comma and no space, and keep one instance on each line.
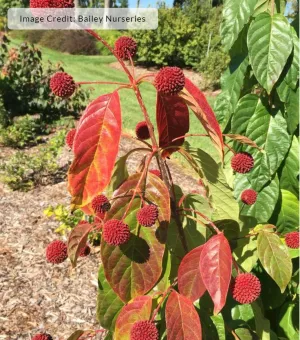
(242,162)
(249,196)
(143,330)
(100,204)
(125,46)
(292,239)
(62,84)
(115,232)
(142,131)
(155,172)
(169,80)
(70,138)
(51,3)
(56,252)
(246,288)
(148,215)
(85,251)
(42,336)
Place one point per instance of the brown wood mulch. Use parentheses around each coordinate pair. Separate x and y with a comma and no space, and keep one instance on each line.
(36,296)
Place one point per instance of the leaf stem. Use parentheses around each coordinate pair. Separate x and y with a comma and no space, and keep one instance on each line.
(216,229)
(102,83)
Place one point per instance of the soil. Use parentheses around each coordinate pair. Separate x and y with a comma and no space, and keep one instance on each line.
(36,296)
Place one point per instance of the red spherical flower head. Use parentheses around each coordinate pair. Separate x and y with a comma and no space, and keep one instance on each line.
(147,215)
(292,239)
(62,84)
(42,336)
(51,3)
(70,138)
(125,46)
(155,172)
(56,252)
(169,80)
(246,288)
(100,204)
(85,251)
(144,330)
(116,232)
(249,196)
(242,162)
(142,131)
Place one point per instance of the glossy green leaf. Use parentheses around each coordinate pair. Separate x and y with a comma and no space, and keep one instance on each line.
(119,175)
(236,14)
(288,326)
(219,324)
(135,267)
(288,219)
(245,253)
(290,171)
(266,6)
(266,200)
(245,109)
(244,333)
(292,75)
(108,302)
(262,324)
(225,207)
(270,44)
(274,257)
(270,134)
(292,109)
(223,108)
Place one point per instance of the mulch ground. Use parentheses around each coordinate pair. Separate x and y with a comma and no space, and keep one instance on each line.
(36,296)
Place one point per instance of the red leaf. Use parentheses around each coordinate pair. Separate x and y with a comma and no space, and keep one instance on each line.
(183,322)
(172,117)
(137,310)
(77,241)
(215,267)
(190,282)
(198,103)
(95,148)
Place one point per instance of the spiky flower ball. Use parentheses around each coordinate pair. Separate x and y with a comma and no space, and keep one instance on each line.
(116,232)
(147,215)
(155,172)
(249,196)
(100,204)
(42,336)
(85,251)
(169,80)
(56,252)
(62,84)
(292,239)
(125,46)
(242,162)
(144,330)
(142,131)
(246,288)
(51,3)
(70,138)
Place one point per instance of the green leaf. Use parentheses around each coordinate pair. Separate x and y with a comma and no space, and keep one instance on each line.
(245,253)
(108,303)
(245,109)
(225,207)
(290,169)
(236,14)
(244,333)
(223,109)
(119,175)
(265,6)
(269,133)
(292,110)
(262,324)
(219,324)
(135,267)
(266,200)
(288,219)
(292,75)
(288,326)
(269,44)
(275,259)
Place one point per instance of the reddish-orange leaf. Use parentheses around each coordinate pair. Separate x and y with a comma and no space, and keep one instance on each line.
(95,149)
(172,117)
(77,241)
(215,267)
(243,140)
(182,319)
(137,310)
(198,103)
(190,282)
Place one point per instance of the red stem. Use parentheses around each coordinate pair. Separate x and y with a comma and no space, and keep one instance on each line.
(216,229)
(101,83)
